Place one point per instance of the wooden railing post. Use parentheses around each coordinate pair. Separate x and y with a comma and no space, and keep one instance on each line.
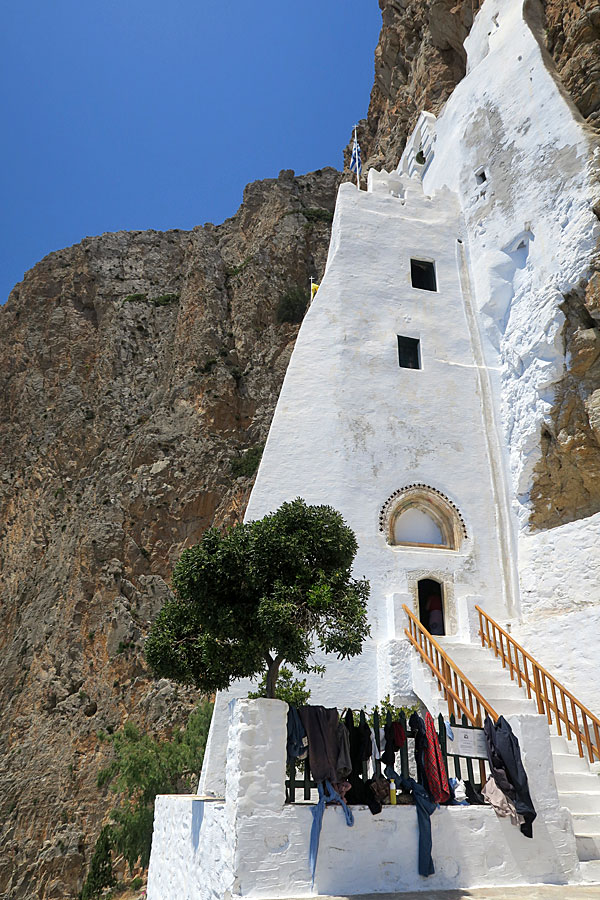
(554,698)
(460,695)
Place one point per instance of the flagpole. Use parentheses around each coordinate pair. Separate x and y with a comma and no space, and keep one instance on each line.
(311,293)
(357,162)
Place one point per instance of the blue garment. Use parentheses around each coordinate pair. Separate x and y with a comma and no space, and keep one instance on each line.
(449,731)
(425,806)
(326,795)
(392,775)
(297,742)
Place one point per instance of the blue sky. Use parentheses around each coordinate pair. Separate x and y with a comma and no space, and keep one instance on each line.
(123,114)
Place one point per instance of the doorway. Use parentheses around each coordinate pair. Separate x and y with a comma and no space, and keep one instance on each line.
(431,605)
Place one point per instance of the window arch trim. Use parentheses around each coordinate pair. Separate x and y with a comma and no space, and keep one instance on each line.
(429,500)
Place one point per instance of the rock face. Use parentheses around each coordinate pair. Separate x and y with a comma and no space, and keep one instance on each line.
(121,418)
(420,58)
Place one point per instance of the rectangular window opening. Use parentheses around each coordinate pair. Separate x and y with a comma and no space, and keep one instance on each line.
(409,352)
(422,275)
(480,176)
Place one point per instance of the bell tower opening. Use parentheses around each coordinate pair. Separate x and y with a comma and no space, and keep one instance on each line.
(431,605)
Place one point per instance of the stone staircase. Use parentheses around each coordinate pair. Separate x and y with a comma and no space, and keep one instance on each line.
(578,787)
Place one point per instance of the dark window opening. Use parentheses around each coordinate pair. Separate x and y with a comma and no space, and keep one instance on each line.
(422,275)
(431,606)
(420,157)
(409,352)
(480,176)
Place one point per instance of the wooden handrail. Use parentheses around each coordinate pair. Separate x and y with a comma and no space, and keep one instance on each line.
(456,686)
(544,687)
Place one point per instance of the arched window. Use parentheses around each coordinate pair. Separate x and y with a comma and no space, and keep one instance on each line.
(421,516)
(414,526)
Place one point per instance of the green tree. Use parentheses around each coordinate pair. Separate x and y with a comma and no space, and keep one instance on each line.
(259,594)
(143,767)
(100,874)
(289,689)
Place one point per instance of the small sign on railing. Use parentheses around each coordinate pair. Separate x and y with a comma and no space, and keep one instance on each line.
(468,742)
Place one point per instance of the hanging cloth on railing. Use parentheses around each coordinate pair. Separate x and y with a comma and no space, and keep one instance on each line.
(321,726)
(435,768)
(326,795)
(504,756)
(297,741)
(425,806)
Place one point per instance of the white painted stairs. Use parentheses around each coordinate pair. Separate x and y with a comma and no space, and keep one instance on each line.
(578,787)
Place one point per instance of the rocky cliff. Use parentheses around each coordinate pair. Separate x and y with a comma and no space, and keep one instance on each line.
(136,369)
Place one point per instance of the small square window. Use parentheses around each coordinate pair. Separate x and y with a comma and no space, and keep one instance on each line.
(409,352)
(480,176)
(422,275)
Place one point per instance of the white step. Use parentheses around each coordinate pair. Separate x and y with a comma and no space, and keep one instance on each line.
(588,846)
(590,871)
(586,823)
(510,707)
(580,781)
(500,689)
(578,802)
(566,764)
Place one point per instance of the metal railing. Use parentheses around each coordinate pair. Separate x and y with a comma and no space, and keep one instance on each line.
(462,696)
(552,698)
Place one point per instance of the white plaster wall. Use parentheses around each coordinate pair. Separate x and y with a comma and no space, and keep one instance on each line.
(561,610)
(509,116)
(192,852)
(351,426)
(253,845)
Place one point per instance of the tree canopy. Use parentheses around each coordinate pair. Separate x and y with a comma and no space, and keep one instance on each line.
(260,593)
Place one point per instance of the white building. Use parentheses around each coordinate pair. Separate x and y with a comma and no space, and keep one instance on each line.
(413,404)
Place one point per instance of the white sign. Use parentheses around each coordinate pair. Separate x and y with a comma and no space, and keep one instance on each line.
(467,742)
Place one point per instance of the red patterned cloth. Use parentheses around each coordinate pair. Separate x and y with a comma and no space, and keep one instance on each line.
(435,770)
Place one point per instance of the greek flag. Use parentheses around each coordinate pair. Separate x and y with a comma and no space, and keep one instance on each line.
(355,163)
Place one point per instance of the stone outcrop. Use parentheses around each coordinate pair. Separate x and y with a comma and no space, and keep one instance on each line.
(122,420)
(135,370)
(567,478)
(420,58)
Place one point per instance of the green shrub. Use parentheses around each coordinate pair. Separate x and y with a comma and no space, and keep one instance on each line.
(136,883)
(291,690)
(165,299)
(232,271)
(318,215)
(142,768)
(100,874)
(292,305)
(247,463)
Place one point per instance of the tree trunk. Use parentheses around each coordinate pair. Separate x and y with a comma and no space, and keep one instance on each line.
(272,673)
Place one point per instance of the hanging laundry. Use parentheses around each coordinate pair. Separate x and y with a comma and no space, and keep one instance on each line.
(399,735)
(504,756)
(435,768)
(425,807)
(375,752)
(502,805)
(360,740)
(360,750)
(460,793)
(417,726)
(344,761)
(327,794)
(320,725)
(297,741)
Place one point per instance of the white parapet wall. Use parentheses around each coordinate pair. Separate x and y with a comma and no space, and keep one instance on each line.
(252,844)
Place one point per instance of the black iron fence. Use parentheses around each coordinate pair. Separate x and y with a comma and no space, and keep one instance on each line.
(299,776)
